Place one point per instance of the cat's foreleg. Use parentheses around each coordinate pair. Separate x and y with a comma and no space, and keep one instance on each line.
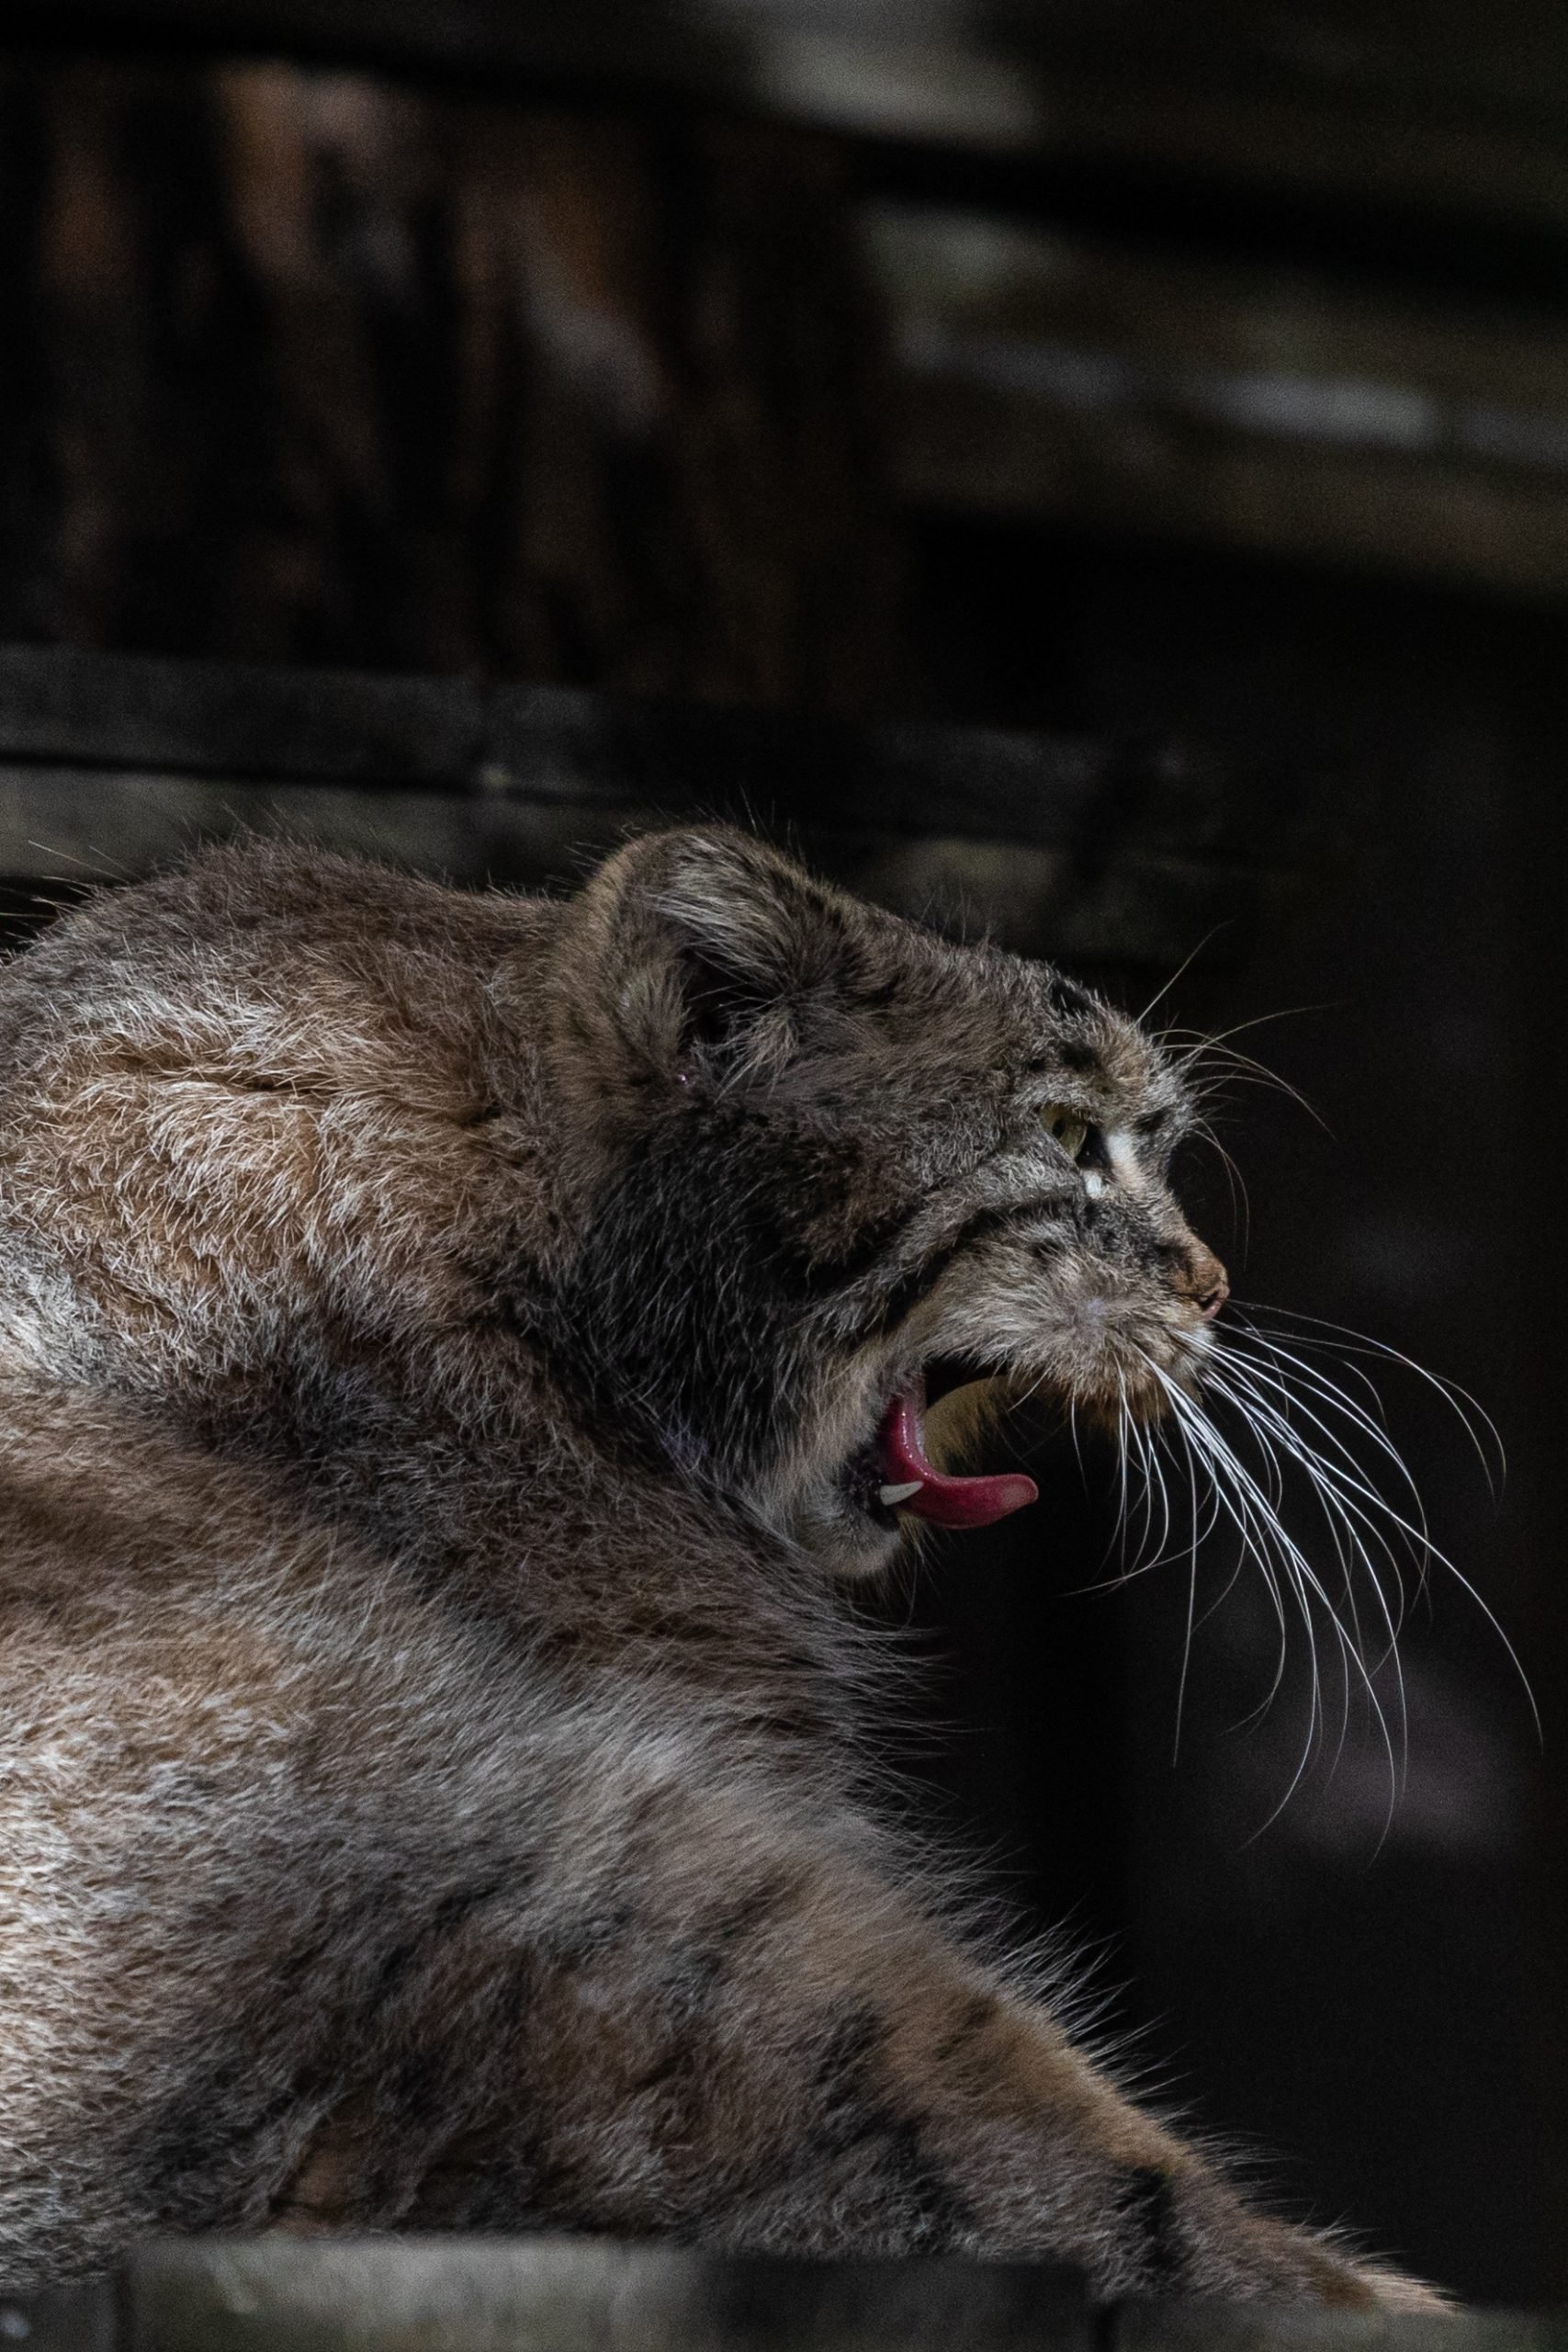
(752,2039)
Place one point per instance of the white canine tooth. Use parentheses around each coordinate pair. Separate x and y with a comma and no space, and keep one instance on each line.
(891,1495)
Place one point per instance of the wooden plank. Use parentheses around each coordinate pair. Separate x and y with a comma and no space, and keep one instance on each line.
(557,744)
(1092,850)
(985,784)
(583,2295)
(1217,2328)
(443,2294)
(1049,375)
(64,826)
(65,2319)
(237,718)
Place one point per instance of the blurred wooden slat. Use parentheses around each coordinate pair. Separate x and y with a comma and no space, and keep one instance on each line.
(1131,854)
(60,702)
(1217,2328)
(545,2295)
(64,2319)
(434,2294)
(1262,408)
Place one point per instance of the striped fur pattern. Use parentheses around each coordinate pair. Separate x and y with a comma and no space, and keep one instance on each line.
(440,1340)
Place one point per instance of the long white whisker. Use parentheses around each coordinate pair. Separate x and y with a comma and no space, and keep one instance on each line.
(1340,1517)
(1191,1614)
(1335,1491)
(1333,1396)
(1305,1579)
(1290,1550)
(1423,1545)
(1186,964)
(1201,1440)
(1458,1400)
(1344,1474)
(1293,1424)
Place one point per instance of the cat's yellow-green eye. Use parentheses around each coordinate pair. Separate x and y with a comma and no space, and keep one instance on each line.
(1067,1128)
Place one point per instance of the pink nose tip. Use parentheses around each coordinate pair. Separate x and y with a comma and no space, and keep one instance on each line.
(1211,1301)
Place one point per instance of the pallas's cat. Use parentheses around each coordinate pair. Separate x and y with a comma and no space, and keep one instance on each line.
(458,1352)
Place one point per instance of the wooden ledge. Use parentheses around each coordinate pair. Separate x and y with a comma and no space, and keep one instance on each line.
(547,2294)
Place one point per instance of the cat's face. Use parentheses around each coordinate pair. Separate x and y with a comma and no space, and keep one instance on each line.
(831,1172)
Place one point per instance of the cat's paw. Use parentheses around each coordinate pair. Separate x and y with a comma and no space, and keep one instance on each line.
(1287,2264)
(1391,2291)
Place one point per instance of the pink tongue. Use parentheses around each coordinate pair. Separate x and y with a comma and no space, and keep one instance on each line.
(946,1502)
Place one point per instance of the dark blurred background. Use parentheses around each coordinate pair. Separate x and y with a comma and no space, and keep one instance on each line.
(1183,390)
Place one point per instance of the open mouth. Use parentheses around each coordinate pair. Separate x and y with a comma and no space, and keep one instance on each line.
(895,1475)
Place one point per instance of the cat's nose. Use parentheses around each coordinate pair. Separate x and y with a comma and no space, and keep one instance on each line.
(1209,1286)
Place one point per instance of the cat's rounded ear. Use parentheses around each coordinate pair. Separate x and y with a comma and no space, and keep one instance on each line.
(703,952)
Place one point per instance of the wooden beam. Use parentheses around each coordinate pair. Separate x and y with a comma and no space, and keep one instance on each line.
(1095,851)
